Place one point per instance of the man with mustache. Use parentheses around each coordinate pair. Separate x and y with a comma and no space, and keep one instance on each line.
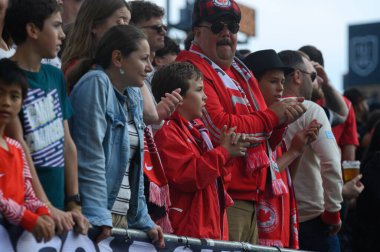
(234,99)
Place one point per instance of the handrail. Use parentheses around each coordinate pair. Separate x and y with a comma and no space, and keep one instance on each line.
(131,234)
(121,240)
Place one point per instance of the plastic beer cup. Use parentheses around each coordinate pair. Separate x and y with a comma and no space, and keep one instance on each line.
(350,170)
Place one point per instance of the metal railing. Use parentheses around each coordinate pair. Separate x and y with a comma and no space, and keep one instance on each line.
(191,243)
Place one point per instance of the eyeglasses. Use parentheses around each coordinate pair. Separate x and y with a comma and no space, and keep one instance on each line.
(217,27)
(157,28)
(313,75)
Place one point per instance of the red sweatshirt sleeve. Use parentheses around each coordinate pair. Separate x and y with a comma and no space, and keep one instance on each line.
(259,123)
(17,214)
(186,168)
(29,220)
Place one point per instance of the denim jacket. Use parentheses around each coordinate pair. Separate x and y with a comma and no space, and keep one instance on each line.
(99,128)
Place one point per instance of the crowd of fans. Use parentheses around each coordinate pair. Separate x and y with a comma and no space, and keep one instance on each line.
(125,130)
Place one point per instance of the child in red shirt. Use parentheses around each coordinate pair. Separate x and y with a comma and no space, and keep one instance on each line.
(197,172)
(18,203)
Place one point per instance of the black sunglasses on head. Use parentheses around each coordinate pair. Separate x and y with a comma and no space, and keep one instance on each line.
(157,28)
(218,26)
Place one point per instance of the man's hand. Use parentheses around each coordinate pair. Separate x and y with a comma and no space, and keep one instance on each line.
(321,73)
(326,218)
(304,137)
(312,131)
(157,236)
(352,188)
(333,99)
(334,229)
(289,109)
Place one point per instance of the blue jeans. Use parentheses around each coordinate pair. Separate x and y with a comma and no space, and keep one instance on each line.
(334,244)
(314,236)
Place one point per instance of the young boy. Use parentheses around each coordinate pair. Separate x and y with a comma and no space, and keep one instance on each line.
(196,171)
(36,28)
(18,203)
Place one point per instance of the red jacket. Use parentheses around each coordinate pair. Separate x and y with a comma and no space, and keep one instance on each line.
(220,112)
(18,203)
(198,204)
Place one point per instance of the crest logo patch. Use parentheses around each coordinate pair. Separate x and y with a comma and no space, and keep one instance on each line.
(222,3)
(364,54)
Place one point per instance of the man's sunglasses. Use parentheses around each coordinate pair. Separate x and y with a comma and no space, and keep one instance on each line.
(157,28)
(217,27)
(313,75)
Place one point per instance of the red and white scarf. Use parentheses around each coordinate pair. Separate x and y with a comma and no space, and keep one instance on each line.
(200,135)
(278,186)
(158,184)
(277,217)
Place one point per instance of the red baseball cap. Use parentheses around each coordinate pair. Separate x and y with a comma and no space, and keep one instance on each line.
(211,10)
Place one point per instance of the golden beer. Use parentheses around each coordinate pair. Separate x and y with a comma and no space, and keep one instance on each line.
(350,170)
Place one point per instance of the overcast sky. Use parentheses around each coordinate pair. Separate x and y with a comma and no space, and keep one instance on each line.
(290,24)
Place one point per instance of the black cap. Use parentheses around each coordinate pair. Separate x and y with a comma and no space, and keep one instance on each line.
(261,61)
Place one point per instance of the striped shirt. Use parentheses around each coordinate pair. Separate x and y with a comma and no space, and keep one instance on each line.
(121,204)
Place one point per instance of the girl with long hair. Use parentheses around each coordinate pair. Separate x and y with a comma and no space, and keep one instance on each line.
(94,18)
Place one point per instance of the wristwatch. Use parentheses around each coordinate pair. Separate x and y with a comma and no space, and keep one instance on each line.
(73,198)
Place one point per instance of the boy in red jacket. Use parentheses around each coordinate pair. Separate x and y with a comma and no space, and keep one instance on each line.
(197,172)
(18,203)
